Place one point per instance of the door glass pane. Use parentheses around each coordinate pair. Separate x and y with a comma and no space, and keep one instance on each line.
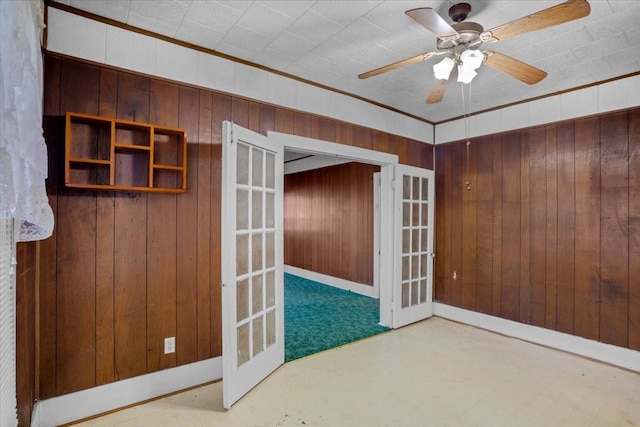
(242,300)
(270,250)
(270,210)
(256,257)
(243,344)
(425,214)
(414,267)
(242,209)
(406,241)
(415,217)
(406,187)
(423,265)
(414,292)
(405,267)
(257,168)
(270,171)
(258,334)
(256,294)
(424,239)
(270,284)
(415,240)
(243,164)
(242,252)
(423,290)
(416,188)
(425,189)
(256,216)
(406,214)
(270,328)
(406,291)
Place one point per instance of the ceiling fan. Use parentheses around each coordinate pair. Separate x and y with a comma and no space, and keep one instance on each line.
(461,42)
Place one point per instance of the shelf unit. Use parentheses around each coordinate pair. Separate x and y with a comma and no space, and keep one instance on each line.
(103,153)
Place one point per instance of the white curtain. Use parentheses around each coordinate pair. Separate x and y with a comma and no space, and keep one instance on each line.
(23,170)
(23,154)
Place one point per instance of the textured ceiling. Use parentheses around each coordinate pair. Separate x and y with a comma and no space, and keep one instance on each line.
(331,42)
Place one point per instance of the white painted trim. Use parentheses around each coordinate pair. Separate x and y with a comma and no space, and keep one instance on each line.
(332,149)
(336,282)
(99,42)
(607,353)
(311,163)
(377,232)
(97,400)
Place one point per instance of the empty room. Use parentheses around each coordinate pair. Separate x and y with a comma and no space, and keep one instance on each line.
(471,169)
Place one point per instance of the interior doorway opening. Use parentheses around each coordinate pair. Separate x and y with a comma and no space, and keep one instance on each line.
(331,281)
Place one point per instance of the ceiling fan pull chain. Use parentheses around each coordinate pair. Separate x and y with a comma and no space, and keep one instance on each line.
(466,117)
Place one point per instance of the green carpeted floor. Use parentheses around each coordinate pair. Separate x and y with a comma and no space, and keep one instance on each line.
(319,317)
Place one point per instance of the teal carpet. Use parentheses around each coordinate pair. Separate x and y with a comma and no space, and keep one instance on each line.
(319,317)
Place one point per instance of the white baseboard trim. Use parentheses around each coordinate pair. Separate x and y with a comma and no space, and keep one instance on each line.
(336,282)
(607,353)
(97,400)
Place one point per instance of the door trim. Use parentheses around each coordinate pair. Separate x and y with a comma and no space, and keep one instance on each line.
(386,162)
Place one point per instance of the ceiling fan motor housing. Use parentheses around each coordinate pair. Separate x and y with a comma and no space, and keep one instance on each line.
(459,12)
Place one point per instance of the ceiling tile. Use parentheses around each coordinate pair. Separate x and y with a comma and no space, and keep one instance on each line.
(264,20)
(167,12)
(115,9)
(314,27)
(214,15)
(199,35)
(246,39)
(612,24)
(342,12)
(294,9)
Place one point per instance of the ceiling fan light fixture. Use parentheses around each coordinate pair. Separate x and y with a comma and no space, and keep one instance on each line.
(442,70)
(465,74)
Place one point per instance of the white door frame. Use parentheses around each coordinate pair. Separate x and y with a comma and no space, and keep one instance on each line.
(386,162)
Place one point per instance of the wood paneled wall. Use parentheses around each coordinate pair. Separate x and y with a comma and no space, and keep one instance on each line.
(328,221)
(125,270)
(550,232)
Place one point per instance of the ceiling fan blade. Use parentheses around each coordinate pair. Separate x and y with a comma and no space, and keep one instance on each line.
(433,22)
(437,91)
(555,15)
(518,69)
(403,63)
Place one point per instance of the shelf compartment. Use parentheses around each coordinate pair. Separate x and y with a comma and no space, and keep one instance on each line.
(114,154)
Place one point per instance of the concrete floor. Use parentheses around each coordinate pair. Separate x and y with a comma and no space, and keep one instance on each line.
(432,373)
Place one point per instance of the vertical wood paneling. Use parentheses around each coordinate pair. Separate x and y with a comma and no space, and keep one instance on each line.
(105,262)
(456,223)
(614,256)
(484,260)
(634,229)
(161,245)
(510,292)
(562,225)
(267,118)
(240,112)
(187,235)
(496,292)
(566,228)
(525,230)
(468,277)
(222,110)
(130,243)
(551,250)
(302,125)
(446,196)
(53,126)
(203,244)
(538,219)
(76,239)
(310,201)
(587,266)
(25,312)
(254,117)
(440,215)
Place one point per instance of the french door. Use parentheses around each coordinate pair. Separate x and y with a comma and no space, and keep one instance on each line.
(413,244)
(252,260)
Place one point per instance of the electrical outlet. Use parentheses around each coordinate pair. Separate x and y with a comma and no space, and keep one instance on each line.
(169,345)
(455,275)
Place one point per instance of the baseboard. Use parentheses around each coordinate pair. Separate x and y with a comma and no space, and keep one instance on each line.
(97,400)
(336,282)
(611,354)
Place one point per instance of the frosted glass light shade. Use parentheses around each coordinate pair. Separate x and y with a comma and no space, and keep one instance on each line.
(442,70)
(465,74)
(471,60)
